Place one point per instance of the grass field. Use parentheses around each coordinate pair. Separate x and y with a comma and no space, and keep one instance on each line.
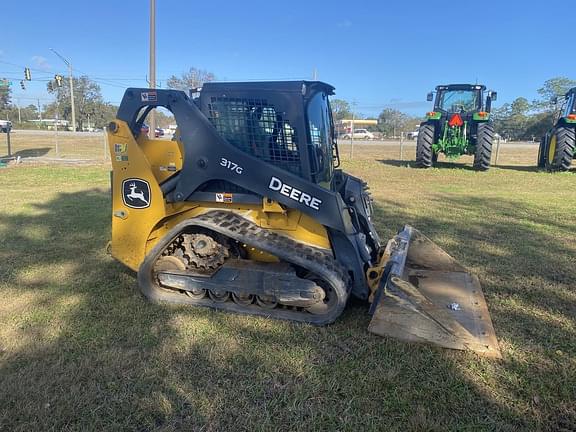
(80,349)
(49,144)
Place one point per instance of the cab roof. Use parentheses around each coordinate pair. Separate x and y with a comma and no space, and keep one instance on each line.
(280,86)
(461,87)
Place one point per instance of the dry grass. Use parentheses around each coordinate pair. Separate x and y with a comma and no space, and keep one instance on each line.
(80,349)
(48,144)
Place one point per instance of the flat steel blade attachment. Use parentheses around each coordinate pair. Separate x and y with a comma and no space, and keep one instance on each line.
(426,296)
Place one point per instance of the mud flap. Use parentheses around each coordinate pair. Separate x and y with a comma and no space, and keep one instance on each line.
(426,296)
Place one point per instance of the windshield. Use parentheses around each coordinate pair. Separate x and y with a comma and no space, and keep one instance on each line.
(458,100)
(320,127)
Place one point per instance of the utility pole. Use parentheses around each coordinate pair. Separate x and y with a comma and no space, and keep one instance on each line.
(352,130)
(56,128)
(19,113)
(39,112)
(152,125)
(71,88)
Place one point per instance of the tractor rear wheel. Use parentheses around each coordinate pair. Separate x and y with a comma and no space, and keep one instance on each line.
(542,153)
(561,149)
(485,136)
(424,152)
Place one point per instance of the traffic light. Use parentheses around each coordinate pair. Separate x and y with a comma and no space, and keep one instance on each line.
(22,85)
(58,79)
(27,74)
(50,86)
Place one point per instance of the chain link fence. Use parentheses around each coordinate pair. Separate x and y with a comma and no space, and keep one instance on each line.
(54,145)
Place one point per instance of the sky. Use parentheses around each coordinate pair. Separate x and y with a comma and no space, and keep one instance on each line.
(377,54)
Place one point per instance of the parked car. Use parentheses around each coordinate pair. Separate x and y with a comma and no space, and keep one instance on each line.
(144,129)
(359,134)
(412,135)
(5,126)
(159,132)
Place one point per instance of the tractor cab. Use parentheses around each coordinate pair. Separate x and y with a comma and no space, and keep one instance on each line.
(462,98)
(568,105)
(458,99)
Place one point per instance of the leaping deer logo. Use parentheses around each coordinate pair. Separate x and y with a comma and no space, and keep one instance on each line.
(136,194)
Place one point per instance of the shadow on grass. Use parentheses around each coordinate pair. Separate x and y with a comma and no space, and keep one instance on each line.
(457,165)
(412,164)
(521,168)
(35,152)
(84,351)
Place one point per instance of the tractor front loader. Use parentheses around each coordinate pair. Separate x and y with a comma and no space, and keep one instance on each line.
(459,124)
(245,210)
(558,145)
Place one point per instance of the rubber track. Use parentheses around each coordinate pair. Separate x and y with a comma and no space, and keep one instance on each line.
(565,143)
(424,153)
(232,225)
(485,137)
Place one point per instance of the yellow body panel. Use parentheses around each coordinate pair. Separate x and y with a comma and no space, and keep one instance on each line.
(165,156)
(136,231)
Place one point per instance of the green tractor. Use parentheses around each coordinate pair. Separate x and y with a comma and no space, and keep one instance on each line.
(558,146)
(460,124)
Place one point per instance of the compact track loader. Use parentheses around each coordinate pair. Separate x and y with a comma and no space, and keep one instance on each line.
(460,124)
(245,210)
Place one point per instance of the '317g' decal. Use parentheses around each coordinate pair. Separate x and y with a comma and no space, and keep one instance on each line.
(232,166)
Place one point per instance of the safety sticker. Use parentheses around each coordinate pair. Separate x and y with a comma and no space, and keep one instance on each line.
(148,96)
(224,197)
(120,148)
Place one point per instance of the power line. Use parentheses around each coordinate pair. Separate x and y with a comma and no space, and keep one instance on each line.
(22,67)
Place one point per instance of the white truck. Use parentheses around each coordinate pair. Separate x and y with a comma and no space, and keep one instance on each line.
(5,126)
(359,134)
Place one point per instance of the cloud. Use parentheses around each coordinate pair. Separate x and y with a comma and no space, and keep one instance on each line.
(345,24)
(41,63)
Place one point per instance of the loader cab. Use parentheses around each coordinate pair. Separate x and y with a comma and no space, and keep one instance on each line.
(284,123)
(459,98)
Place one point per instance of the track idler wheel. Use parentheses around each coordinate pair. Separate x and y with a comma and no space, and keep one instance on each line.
(326,303)
(243,299)
(219,296)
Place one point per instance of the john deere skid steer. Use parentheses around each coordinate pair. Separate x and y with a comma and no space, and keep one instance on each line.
(245,210)
(558,146)
(460,124)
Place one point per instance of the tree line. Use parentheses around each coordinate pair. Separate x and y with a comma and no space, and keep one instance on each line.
(519,120)
(525,120)
(90,108)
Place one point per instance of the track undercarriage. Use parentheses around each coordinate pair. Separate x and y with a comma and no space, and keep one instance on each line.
(205,263)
